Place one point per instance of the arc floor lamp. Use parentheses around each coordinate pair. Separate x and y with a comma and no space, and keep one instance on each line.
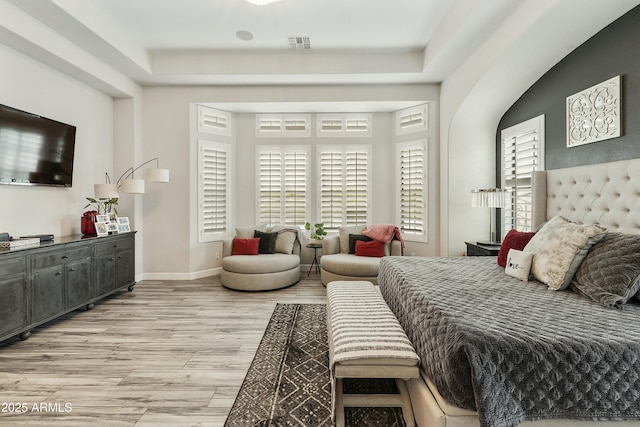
(128,184)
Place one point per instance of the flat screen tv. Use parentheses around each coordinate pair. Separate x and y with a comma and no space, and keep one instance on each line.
(35,150)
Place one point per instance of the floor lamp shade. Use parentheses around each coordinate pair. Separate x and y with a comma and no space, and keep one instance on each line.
(132,186)
(127,184)
(157,175)
(105,191)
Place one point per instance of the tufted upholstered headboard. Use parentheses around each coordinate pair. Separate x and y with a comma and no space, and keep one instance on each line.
(607,194)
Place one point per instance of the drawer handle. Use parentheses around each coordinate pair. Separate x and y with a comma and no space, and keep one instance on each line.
(116,245)
(59,273)
(72,269)
(119,256)
(65,256)
(111,259)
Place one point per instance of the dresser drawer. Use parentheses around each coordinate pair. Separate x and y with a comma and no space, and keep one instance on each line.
(57,257)
(114,244)
(12,267)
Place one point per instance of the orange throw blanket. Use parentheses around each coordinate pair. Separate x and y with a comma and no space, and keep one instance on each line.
(384,233)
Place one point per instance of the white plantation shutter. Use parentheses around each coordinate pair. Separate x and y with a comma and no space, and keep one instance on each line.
(270,187)
(522,154)
(356,187)
(283,125)
(344,125)
(412,192)
(412,120)
(282,184)
(213,121)
(213,194)
(295,187)
(344,186)
(331,194)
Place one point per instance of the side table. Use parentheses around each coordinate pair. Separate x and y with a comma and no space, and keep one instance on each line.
(482,249)
(315,247)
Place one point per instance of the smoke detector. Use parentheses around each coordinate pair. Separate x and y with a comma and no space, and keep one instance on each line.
(300,42)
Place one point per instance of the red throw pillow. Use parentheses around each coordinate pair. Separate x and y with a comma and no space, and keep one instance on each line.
(513,240)
(245,246)
(374,248)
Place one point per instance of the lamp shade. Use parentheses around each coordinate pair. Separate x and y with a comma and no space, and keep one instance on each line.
(132,186)
(105,191)
(488,198)
(157,175)
(261,2)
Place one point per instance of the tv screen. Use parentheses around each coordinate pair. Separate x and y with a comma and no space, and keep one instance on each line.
(35,150)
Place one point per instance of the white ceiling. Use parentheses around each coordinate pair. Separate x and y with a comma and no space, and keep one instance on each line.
(116,45)
(171,42)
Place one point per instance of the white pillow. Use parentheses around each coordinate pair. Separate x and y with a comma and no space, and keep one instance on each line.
(518,264)
(343,235)
(558,249)
(247,232)
(285,239)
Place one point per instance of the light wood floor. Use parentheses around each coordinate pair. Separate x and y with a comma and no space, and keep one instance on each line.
(170,353)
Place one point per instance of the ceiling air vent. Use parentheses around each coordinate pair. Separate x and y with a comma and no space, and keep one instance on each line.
(299,42)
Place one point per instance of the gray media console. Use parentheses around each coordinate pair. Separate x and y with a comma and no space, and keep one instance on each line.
(41,283)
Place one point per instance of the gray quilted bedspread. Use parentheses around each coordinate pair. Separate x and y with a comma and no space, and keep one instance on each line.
(515,350)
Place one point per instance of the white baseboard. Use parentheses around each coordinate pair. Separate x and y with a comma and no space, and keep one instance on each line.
(180,276)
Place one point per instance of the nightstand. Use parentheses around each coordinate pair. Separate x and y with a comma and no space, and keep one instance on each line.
(481,249)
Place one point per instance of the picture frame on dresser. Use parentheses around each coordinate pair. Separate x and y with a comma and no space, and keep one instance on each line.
(123,224)
(101,229)
(102,218)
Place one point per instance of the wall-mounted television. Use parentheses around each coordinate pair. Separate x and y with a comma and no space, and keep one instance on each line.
(35,150)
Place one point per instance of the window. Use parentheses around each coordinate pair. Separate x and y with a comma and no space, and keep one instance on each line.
(343,125)
(282,185)
(343,186)
(283,125)
(522,154)
(411,120)
(213,121)
(213,191)
(411,160)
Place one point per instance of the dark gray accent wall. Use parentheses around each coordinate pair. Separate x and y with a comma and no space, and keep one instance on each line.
(613,51)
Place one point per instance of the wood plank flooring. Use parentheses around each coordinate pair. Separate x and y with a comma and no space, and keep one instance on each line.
(170,353)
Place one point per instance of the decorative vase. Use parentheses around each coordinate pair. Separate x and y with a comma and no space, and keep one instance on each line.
(88,225)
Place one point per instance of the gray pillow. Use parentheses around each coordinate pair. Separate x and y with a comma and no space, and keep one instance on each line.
(610,273)
(267,242)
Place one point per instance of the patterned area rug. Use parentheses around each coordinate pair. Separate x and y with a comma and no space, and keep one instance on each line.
(288,381)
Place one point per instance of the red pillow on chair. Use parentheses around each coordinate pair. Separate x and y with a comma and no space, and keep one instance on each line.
(513,240)
(374,248)
(245,246)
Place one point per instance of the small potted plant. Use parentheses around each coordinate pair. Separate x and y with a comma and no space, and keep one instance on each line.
(102,207)
(319,232)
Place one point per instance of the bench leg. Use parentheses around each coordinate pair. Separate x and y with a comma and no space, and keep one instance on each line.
(341,401)
(339,404)
(407,409)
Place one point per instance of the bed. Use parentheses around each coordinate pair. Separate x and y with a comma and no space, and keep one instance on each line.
(499,352)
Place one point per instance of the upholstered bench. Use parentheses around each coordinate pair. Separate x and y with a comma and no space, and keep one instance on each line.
(367,341)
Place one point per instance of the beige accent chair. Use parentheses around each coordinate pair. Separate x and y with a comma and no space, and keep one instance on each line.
(337,263)
(263,272)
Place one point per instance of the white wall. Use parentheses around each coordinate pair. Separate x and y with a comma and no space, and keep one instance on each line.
(30,86)
(170,244)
